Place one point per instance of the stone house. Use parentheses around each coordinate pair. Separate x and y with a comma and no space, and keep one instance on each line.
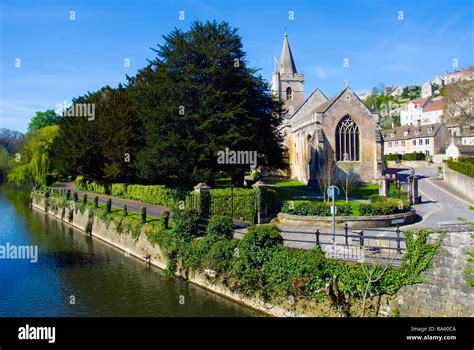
(428,139)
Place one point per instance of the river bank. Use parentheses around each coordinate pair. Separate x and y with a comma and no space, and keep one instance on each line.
(76,275)
(142,249)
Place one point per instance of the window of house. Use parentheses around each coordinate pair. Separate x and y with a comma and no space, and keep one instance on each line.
(417,132)
(396,143)
(427,141)
(420,142)
(389,145)
(347,140)
(414,142)
(289,94)
(427,152)
(403,143)
(392,135)
(430,130)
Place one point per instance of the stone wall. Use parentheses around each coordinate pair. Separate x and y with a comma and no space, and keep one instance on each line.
(459,182)
(445,292)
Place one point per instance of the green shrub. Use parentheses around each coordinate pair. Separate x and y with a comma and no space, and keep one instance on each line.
(219,258)
(164,220)
(108,206)
(220,227)
(414,156)
(461,167)
(262,236)
(376,198)
(238,203)
(392,157)
(186,223)
(315,208)
(153,194)
(143,215)
(344,209)
(306,207)
(385,206)
(118,190)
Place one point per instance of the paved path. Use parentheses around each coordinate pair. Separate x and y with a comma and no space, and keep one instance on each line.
(440,204)
(132,205)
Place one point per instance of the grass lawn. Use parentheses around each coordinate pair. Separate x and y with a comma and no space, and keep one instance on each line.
(285,183)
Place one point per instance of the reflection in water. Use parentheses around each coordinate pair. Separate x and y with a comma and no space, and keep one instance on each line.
(77,275)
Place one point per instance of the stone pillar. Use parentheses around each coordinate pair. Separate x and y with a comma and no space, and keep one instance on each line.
(384,187)
(204,199)
(260,205)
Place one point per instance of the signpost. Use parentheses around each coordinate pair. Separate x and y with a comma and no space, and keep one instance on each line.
(332,192)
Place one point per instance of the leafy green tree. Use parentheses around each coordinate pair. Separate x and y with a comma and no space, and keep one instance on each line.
(35,159)
(43,119)
(198,96)
(4,163)
(103,147)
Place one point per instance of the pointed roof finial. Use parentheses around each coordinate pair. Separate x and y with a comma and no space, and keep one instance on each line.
(287,64)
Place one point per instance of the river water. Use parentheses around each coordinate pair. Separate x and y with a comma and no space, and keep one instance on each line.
(77,275)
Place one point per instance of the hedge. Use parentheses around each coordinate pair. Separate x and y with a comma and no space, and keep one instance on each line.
(387,206)
(239,205)
(462,167)
(406,156)
(153,194)
(315,208)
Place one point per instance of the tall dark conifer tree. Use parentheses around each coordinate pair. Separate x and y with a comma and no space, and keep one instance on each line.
(197,97)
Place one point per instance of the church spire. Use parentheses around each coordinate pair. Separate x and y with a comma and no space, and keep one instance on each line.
(287,64)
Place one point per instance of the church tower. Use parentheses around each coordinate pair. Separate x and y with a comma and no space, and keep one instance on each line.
(286,83)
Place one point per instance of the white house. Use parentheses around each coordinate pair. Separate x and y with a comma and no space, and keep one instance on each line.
(432,112)
(456,151)
(411,113)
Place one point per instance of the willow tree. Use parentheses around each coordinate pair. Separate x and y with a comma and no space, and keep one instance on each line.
(34,161)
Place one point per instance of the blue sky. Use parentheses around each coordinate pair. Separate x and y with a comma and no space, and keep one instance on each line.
(61,59)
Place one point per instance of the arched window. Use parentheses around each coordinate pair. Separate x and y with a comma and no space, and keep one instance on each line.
(347,140)
(289,94)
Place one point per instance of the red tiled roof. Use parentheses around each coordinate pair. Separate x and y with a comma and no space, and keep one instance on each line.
(434,106)
(420,101)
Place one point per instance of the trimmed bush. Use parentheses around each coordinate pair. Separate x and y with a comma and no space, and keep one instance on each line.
(154,194)
(220,227)
(376,198)
(385,206)
(164,220)
(315,208)
(392,157)
(237,204)
(462,167)
(108,206)
(118,190)
(143,215)
(414,156)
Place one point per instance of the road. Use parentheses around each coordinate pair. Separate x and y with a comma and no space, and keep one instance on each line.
(440,204)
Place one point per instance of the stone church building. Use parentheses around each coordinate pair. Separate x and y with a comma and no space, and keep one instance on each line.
(317,128)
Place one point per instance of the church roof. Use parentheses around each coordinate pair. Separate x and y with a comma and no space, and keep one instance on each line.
(287,64)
